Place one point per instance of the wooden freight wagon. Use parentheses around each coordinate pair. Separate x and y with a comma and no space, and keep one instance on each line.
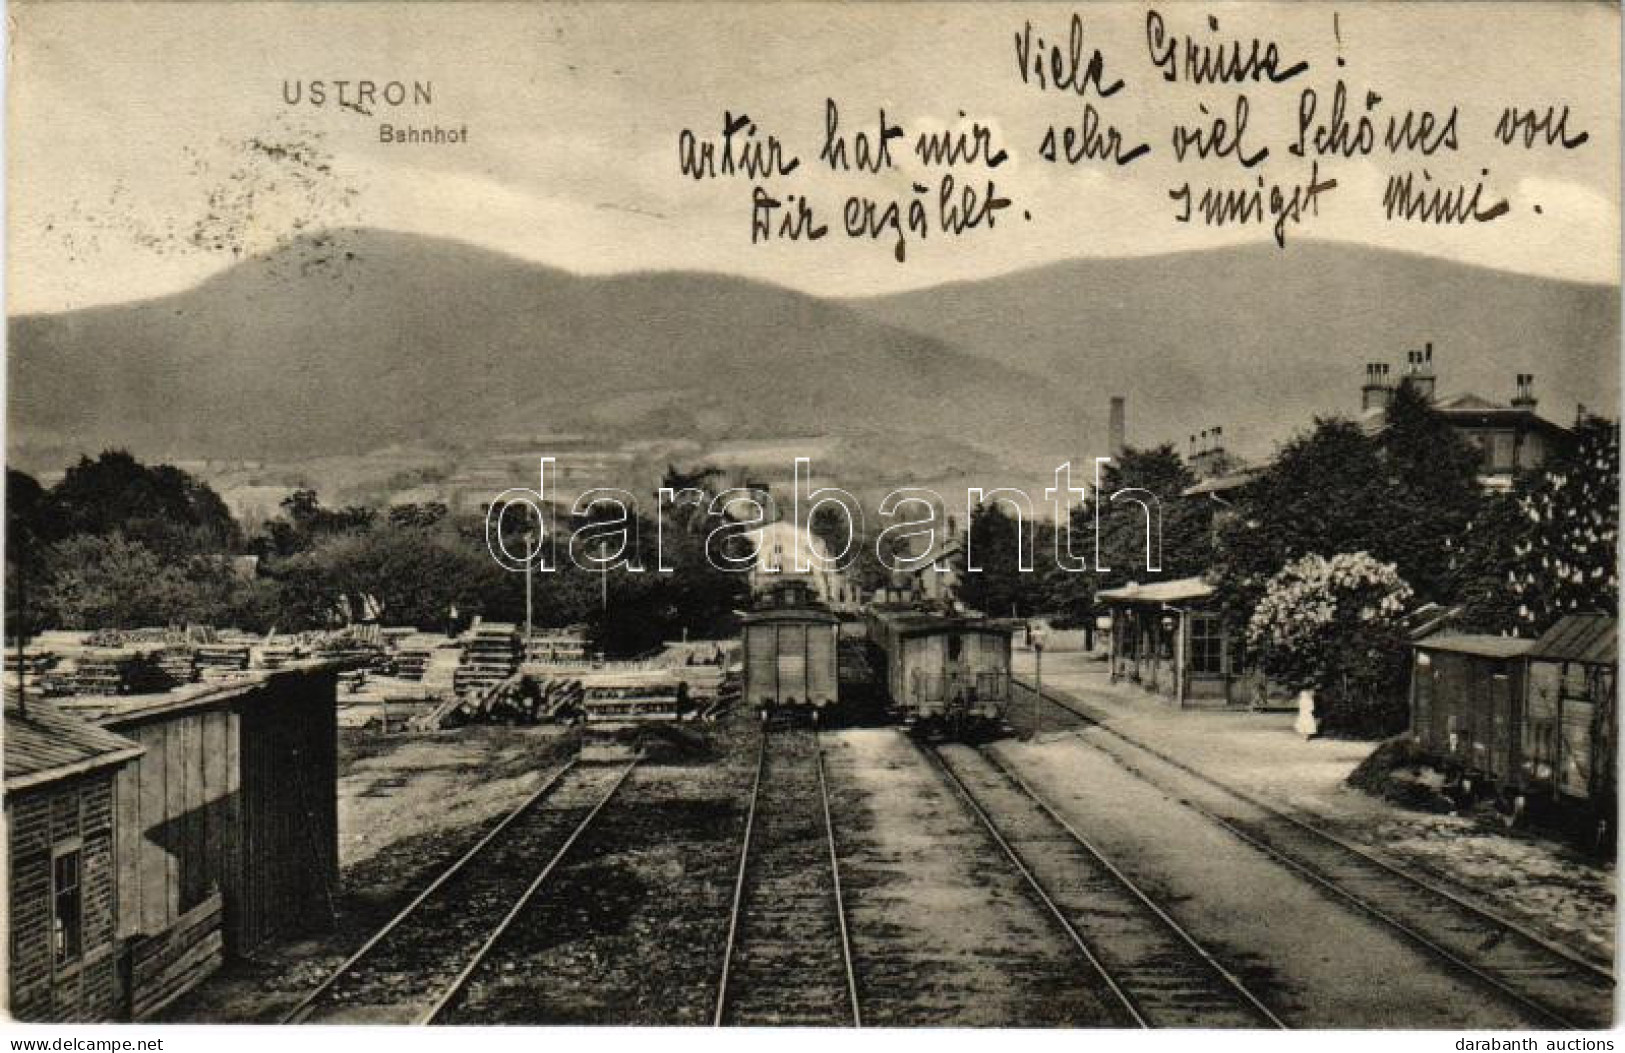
(790,652)
(1467,695)
(1535,719)
(1571,733)
(941,669)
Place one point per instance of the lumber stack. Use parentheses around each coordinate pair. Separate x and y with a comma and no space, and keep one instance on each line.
(490,657)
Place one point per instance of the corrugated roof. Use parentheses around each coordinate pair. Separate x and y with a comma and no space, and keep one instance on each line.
(1590,638)
(1481,644)
(1181,589)
(45,744)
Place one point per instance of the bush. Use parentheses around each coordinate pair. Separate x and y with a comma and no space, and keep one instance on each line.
(1334,626)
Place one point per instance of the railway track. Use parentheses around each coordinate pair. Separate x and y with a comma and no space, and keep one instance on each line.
(788,956)
(1557,986)
(418,962)
(1157,971)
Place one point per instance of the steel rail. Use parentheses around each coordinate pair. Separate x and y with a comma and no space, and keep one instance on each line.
(456,986)
(1123,997)
(306,1005)
(739,884)
(835,873)
(1361,905)
(1231,980)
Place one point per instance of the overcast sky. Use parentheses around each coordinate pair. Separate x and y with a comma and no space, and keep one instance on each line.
(124,118)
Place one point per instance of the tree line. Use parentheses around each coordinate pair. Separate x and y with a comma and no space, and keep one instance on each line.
(120,544)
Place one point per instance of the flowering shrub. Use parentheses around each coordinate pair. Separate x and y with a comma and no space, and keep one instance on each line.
(1334,625)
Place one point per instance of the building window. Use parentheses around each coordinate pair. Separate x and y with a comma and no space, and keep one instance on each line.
(1207,645)
(66,906)
(1501,457)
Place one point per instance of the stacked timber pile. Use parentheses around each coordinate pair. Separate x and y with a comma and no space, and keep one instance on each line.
(392,636)
(113,672)
(558,647)
(414,653)
(277,655)
(33,664)
(179,664)
(490,657)
(355,643)
(412,662)
(520,699)
(218,659)
(728,694)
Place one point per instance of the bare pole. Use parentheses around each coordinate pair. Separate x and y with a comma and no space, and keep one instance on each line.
(22,663)
(530,559)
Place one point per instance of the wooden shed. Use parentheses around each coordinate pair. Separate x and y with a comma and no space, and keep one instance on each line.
(227,831)
(61,906)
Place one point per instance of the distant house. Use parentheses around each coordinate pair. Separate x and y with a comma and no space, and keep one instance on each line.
(1170,638)
(777,546)
(62,901)
(1511,437)
(923,581)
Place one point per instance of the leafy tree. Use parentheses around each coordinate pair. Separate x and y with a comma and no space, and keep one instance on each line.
(29,531)
(1182,538)
(417,515)
(999,588)
(1480,562)
(1336,489)
(1335,625)
(1568,558)
(1433,475)
(100,581)
(161,506)
(304,522)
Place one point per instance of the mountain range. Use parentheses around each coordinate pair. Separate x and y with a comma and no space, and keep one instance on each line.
(365,338)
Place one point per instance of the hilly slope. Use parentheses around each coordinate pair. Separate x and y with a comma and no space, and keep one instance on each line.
(419,340)
(1261,341)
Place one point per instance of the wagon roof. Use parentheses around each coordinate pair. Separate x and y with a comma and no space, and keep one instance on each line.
(1481,644)
(913,623)
(790,614)
(1590,638)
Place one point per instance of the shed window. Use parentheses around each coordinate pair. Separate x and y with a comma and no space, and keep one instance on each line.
(1207,645)
(66,906)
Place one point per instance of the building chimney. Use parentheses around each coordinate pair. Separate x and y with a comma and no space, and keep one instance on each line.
(1376,391)
(1117,427)
(1525,397)
(1209,459)
(1421,376)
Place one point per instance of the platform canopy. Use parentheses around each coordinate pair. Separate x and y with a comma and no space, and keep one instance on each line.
(1180,590)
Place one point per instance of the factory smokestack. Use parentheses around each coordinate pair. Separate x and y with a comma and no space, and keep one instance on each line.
(1117,428)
